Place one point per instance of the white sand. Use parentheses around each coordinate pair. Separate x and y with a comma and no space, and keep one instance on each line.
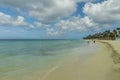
(104,65)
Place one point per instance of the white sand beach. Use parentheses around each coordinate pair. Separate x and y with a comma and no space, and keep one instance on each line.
(103,65)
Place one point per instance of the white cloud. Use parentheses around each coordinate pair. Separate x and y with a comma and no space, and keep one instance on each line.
(45,10)
(76,24)
(4,18)
(97,15)
(8,20)
(19,22)
(104,13)
(55,11)
(84,0)
(38,24)
(52,31)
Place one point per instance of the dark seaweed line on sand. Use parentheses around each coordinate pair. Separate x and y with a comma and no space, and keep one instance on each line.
(115,55)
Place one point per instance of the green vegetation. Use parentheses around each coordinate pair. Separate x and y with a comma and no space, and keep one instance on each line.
(106,35)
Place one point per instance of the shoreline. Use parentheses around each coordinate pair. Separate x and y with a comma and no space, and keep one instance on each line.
(115,54)
(101,64)
(104,65)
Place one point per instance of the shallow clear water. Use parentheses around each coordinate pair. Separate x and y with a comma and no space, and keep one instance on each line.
(118,39)
(21,57)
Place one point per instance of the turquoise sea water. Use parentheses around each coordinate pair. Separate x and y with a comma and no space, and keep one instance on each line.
(118,39)
(22,58)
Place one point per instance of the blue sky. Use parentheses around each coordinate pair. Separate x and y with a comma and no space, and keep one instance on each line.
(56,19)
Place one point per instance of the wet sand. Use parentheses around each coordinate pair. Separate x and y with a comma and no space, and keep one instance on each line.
(103,65)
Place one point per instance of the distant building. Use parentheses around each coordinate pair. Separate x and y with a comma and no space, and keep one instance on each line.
(118,32)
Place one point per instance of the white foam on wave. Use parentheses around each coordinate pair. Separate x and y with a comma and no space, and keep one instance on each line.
(49,71)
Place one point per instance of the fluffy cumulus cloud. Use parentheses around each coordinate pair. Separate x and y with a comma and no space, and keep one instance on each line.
(45,10)
(105,12)
(52,31)
(84,0)
(53,11)
(76,23)
(50,11)
(38,24)
(97,16)
(8,20)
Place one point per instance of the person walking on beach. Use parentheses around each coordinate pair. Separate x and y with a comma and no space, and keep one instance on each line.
(94,41)
(88,42)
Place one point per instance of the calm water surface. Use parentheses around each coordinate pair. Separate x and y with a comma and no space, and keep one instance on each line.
(26,57)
